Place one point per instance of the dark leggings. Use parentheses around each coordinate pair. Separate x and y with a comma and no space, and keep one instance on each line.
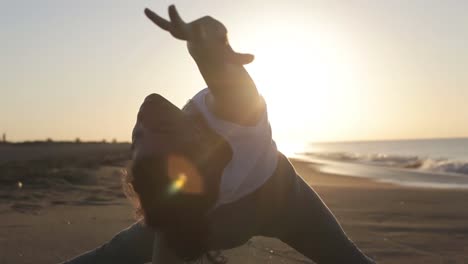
(285,207)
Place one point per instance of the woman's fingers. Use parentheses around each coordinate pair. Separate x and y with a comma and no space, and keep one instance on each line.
(177,27)
(238,58)
(159,21)
(180,29)
(242,59)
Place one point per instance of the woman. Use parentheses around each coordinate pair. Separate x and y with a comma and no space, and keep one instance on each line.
(209,177)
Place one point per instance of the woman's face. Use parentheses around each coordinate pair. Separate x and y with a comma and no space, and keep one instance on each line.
(161,128)
(168,183)
(164,133)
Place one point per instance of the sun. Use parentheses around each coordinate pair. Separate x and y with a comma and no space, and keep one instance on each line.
(306,81)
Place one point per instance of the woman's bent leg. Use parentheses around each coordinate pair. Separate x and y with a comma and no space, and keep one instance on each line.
(315,232)
(132,245)
(305,222)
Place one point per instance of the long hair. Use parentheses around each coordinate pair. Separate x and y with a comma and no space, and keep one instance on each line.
(180,216)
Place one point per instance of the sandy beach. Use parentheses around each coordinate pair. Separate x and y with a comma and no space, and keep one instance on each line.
(73,206)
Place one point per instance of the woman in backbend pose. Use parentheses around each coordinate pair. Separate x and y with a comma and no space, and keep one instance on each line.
(209,176)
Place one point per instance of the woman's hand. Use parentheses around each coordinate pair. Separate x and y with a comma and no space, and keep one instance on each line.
(206,38)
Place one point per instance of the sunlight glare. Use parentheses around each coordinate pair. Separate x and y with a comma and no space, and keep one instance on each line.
(307,79)
(178,184)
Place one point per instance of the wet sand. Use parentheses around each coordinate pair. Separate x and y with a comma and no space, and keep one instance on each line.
(48,221)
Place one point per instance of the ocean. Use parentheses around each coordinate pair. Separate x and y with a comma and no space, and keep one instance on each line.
(435,163)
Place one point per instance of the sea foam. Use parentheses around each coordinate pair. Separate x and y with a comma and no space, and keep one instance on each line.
(441,165)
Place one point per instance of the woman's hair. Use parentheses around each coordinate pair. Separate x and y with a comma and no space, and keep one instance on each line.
(130,184)
(180,216)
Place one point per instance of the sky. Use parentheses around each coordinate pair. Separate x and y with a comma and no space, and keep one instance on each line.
(329,70)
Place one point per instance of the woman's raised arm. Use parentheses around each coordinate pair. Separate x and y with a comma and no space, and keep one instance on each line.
(234,96)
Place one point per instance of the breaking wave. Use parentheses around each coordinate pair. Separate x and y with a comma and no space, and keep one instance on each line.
(406,162)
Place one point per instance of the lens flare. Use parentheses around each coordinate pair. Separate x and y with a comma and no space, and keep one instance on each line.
(178,184)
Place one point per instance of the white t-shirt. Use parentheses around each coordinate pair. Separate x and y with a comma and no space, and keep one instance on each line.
(254,156)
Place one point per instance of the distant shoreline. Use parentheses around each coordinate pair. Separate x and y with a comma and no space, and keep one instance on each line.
(45,142)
